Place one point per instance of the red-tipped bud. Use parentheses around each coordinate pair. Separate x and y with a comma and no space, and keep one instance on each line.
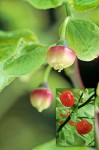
(83,127)
(60,57)
(41,98)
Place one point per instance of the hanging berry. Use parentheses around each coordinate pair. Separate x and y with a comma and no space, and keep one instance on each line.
(72,123)
(41,98)
(67,98)
(83,127)
(60,57)
(60,122)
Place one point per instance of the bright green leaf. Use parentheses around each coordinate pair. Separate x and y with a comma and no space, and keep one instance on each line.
(31,58)
(87,110)
(4,78)
(83,37)
(9,41)
(66,133)
(74,116)
(45,4)
(80,5)
(71,138)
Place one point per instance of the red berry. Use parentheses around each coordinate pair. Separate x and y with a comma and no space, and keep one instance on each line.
(83,127)
(60,122)
(67,113)
(72,123)
(60,57)
(67,98)
(61,115)
(41,98)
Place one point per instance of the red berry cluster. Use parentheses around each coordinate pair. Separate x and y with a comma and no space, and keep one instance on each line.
(67,99)
(72,123)
(82,127)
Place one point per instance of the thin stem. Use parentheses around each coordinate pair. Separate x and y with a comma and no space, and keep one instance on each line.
(80,98)
(68,8)
(59,93)
(93,90)
(46,74)
(63,124)
(87,101)
(63,28)
(85,117)
(91,142)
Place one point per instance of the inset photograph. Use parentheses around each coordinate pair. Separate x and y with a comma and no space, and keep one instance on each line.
(75,121)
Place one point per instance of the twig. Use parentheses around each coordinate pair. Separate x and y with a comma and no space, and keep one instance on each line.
(80,97)
(63,124)
(87,101)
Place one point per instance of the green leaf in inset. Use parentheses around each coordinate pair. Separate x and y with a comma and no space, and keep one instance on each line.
(9,41)
(97,103)
(86,111)
(81,5)
(4,78)
(30,59)
(83,38)
(45,4)
(71,138)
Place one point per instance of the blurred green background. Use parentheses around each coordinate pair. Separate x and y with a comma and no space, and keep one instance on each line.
(21,126)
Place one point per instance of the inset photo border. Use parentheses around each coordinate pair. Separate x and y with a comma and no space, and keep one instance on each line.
(75,117)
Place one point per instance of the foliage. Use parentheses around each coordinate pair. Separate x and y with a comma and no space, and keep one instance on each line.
(21,52)
(84,4)
(83,109)
(78,34)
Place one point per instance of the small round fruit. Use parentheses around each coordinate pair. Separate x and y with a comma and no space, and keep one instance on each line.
(67,98)
(72,123)
(60,57)
(67,113)
(83,127)
(60,122)
(41,98)
(61,115)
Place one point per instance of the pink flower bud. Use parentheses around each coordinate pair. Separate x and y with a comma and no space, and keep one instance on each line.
(41,98)
(60,57)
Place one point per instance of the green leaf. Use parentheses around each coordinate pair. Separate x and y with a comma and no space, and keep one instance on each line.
(31,58)
(74,116)
(45,4)
(9,41)
(61,136)
(71,138)
(87,110)
(4,78)
(83,37)
(81,5)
